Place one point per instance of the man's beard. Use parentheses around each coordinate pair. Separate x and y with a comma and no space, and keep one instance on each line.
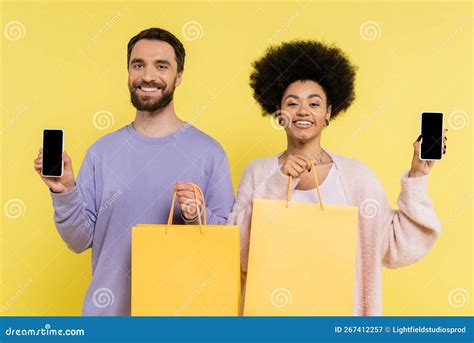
(151,106)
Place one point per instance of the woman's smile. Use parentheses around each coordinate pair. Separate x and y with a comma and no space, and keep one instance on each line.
(302,123)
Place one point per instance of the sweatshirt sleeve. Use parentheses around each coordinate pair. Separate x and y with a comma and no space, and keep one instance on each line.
(74,211)
(219,195)
(275,186)
(411,231)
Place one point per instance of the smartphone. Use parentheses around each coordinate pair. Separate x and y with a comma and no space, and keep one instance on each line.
(432,131)
(53,147)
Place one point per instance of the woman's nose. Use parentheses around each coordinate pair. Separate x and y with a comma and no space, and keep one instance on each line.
(303,112)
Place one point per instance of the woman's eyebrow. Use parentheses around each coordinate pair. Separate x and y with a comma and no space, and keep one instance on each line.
(308,97)
(291,96)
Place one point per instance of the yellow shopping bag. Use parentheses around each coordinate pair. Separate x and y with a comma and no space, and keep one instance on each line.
(189,270)
(302,258)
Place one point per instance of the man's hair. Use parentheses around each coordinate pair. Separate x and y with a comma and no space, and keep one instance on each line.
(156,33)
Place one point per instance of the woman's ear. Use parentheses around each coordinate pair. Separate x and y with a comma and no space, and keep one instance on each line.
(328,112)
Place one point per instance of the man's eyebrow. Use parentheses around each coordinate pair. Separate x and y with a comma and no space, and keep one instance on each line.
(136,60)
(163,62)
(140,60)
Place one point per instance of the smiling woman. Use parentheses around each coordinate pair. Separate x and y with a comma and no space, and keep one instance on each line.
(305,84)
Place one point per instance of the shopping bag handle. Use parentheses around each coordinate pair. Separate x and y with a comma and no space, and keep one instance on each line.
(196,189)
(313,167)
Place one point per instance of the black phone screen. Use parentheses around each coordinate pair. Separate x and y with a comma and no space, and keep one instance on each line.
(52,152)
(432,132)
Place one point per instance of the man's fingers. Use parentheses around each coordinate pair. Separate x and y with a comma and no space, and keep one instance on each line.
(189,201)
(188,209)
(185,194)
(182,186)
(67,160)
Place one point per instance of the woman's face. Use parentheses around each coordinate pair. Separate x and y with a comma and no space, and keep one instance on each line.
(304,110)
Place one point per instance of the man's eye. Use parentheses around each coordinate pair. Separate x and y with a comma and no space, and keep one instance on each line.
(162,67)
(137,66)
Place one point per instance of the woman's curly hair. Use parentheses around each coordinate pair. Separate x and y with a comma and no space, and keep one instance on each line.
(299,61)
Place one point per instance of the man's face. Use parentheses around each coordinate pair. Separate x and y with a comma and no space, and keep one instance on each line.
(152,75)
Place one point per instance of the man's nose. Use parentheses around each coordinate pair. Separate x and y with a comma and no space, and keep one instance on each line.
(149,75)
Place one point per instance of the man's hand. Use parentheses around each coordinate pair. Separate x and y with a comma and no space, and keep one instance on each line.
(187,200)
(57,184)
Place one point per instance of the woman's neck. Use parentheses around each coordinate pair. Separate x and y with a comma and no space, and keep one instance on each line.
(309,149)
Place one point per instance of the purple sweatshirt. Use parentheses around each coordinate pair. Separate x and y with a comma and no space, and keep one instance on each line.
(126,179)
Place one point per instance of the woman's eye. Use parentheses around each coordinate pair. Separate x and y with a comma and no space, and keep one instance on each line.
(292,104)
(315,104)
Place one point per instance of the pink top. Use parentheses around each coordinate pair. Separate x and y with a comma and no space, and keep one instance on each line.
(387,237)
(331,190)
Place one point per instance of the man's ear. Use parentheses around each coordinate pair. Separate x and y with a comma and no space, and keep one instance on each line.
(179,78)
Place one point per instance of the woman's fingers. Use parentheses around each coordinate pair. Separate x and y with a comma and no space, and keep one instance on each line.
(299,167)
(304,162)
(417,144)
(292,170)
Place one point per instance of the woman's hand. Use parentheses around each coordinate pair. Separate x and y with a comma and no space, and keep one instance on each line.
(295,165)
(421,167)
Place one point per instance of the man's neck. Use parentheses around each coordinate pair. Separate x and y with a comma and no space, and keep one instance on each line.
(157,124)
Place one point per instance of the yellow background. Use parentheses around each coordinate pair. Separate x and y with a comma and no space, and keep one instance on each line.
(67,62)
